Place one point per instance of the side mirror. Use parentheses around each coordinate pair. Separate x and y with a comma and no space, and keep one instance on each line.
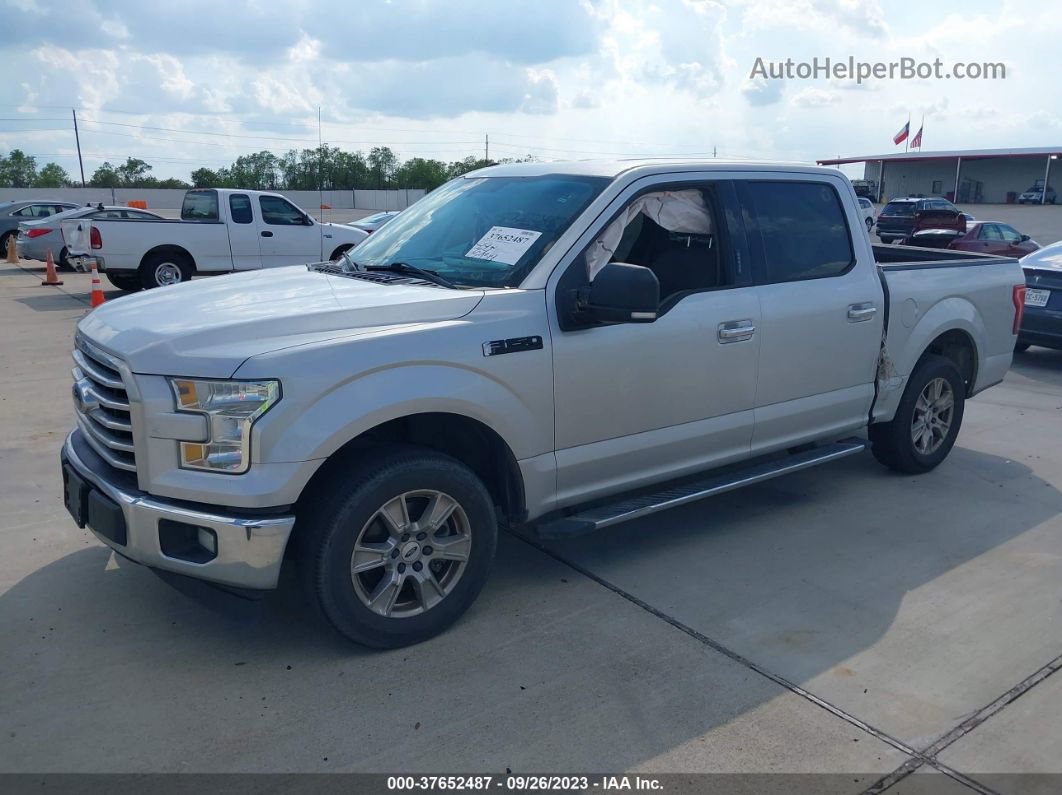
(1024,238)
(622,293)
(307,220)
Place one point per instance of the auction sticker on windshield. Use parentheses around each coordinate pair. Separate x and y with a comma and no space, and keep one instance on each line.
(503,244)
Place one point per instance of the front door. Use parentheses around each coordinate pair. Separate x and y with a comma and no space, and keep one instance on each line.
(821,312)
(286,239)
(642,403)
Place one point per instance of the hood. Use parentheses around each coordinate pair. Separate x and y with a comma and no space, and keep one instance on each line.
(208,327)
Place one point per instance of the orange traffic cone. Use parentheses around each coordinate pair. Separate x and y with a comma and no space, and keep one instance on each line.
(51,278)
(97,288)
(12,256)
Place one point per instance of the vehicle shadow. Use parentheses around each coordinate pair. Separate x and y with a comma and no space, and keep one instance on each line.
(1039,364)
(547,670)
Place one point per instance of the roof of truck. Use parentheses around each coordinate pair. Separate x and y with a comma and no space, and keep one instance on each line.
(613,168)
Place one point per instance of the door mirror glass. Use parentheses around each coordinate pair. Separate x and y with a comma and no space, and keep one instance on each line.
(623,293)
(1024,238)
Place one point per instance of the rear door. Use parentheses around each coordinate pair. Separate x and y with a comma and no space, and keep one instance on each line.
(821,307)
(286,239)
(244,237)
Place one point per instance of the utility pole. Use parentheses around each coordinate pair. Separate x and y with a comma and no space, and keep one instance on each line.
(77,139)
(486,147)
(713,151)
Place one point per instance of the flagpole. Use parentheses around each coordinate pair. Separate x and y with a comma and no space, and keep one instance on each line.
(907,140)
(921,131)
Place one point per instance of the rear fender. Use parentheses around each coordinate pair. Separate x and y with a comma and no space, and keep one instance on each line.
(906,345)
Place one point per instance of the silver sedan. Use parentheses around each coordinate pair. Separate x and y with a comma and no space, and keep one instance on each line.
(36,238)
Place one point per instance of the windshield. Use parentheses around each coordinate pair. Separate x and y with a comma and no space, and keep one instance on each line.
(899,208)
(482,231)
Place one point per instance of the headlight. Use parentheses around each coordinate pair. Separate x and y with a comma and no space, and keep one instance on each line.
(231,408)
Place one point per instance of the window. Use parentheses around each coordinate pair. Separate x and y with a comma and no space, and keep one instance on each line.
(200,205)
(280,212)
(240,207)
(899,208)
(108,214)
(1009,233)
(938,186)
(989,232)
(865,204)
(135,215)
(34,211)
(800,228)
(675,233)
(453,229)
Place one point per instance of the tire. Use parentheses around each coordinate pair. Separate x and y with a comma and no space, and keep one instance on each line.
(62,263)
(870,223)
(3,242)
(1021,347)
(339,252)
(350,508)
(163,270)
(903,446)
(129,282)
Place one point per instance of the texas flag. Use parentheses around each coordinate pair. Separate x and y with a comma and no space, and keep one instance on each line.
(916,142)
(901,136)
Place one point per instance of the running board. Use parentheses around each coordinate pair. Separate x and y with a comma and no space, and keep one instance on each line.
(635,507)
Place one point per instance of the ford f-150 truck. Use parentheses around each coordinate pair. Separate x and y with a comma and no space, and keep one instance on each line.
(219,231)
(554,347)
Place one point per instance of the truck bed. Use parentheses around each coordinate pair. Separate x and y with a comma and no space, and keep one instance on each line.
(912,257)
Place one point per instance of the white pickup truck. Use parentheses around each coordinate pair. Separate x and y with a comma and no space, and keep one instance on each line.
(219,231)
(561,346)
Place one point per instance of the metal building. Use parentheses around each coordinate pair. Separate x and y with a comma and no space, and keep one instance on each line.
(969,176)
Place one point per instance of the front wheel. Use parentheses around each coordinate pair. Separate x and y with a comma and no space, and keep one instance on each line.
(927,420)
(395,551)
(870,223)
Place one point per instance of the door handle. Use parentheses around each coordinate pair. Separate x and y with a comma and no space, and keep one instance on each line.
(267,233)
(735,331)
(857,313)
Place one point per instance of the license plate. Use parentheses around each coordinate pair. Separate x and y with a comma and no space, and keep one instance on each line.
(1035,297)
(75,495)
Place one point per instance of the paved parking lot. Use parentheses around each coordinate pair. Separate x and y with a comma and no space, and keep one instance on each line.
(844,619)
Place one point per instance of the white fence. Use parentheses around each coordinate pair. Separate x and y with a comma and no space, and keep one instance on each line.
(166,199)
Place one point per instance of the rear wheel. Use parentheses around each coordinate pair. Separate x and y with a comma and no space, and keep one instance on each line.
(927,420)
(164,270)
(394,551)
(870,224)
(130,282)
(63,263)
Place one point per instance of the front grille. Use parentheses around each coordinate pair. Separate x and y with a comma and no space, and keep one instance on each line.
(102,406)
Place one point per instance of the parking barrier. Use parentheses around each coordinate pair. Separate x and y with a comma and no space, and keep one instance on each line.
(51,278)
(12,256)
(97,288)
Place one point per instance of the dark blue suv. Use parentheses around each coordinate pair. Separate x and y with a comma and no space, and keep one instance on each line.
(896,219)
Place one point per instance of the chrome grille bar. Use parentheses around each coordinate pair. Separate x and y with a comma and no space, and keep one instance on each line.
(102,405)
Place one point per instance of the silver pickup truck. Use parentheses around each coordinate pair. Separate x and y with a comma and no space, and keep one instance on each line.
(559,347)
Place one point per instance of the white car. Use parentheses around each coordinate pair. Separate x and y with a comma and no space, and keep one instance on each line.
(220,230)
(866,209)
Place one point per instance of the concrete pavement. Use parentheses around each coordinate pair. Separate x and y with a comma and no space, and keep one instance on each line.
(841,620)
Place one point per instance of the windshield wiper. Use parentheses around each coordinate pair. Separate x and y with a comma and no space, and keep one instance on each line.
(413,270)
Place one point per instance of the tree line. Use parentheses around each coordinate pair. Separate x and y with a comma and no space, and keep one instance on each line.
(326,167)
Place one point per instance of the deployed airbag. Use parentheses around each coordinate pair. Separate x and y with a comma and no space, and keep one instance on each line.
(682,211)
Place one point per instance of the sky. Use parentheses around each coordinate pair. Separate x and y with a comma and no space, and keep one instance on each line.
(200,82)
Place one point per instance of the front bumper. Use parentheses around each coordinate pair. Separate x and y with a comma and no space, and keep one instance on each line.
(249,549)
